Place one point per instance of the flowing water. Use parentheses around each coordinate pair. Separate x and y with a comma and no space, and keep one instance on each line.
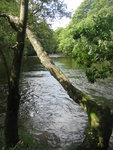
(51,116)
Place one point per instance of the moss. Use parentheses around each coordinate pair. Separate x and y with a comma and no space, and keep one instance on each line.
(57,70)
(100,144)
(98,133)
(94,120)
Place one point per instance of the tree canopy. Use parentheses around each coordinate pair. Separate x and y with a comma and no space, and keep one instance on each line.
(89,37)
(40,11)
(98,133)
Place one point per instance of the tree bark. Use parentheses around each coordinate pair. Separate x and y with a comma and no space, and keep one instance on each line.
(5,65)
(11,121)
(73,92)
(99,116)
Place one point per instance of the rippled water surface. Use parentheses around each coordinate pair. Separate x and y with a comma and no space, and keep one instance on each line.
(102,90)
(49,110)
(52,117)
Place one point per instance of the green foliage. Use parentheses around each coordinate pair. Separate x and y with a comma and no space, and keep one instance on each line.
(95,35)
(7,34)
(26,142)
(92,30)
(57,33)
(10,6)
(99,70)
(48,9)
(39,11)
(65,41)
(7,39)
(45,35)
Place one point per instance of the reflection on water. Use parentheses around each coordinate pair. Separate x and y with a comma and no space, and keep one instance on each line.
(52,117)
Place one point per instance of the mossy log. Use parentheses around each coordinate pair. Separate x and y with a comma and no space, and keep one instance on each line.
(99,127)
(99,117)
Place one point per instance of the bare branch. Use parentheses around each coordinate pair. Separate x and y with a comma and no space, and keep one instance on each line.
(101,112)
(13,21)
(73,92)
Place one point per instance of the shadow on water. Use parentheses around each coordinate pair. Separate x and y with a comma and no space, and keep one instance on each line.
(51,116)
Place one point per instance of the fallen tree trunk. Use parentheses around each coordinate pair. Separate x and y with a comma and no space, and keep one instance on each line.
(99,116)
(73,92)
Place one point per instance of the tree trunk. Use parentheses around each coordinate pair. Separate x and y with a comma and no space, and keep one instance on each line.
(99,127)
(11,121)
(99,116)
(73,92)
(5,65)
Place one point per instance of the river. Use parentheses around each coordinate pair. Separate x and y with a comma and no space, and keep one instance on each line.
(54,119)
